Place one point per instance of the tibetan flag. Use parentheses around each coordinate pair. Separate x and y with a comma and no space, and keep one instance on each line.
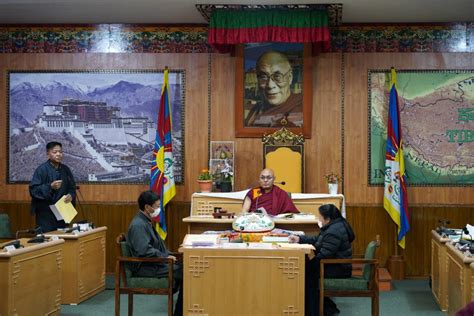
(395,193)
(162,177)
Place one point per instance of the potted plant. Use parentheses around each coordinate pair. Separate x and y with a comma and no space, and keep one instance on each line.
(205,181)
(332,179)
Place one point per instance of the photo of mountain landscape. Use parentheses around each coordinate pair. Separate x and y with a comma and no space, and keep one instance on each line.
(105,119)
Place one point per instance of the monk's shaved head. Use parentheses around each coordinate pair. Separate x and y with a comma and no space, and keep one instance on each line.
(267,172)
(267,177)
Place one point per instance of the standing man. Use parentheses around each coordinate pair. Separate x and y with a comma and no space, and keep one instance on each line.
(51,181)
(146,242)
(274,79)
(268,198)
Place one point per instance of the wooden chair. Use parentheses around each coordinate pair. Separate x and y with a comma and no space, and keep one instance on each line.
(5,226)
(126,283)
(356,286)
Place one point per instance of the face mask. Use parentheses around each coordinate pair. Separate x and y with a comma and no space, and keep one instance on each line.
(156,212)
(320,224)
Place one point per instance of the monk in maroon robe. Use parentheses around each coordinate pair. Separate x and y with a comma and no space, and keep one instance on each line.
(268,197)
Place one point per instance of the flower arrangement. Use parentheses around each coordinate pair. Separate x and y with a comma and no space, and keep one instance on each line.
(227,172)
(332,178)
(204,175)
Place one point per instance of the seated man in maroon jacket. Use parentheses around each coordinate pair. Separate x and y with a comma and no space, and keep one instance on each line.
(268,198)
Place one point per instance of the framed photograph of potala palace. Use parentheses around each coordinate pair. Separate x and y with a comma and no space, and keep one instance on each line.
(437,125)
(105,120)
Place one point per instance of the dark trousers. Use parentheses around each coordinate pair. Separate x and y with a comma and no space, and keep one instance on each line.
(311,293)
(47,221)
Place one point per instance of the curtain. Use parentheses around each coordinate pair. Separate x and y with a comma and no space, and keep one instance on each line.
(231,27)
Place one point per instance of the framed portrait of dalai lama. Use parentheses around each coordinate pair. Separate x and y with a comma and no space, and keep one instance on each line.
(273,88)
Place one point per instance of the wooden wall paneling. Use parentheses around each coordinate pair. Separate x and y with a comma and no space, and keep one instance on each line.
(195,66)
(174,221)
(116,217)
(249,152)
(356,144)
(367,221)
(323,149)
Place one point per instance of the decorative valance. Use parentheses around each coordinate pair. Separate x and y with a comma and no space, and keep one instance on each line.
(228,27)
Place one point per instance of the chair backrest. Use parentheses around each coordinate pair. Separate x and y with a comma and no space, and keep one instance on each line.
(370,254)
(5,226)
(125,251)
(283,151)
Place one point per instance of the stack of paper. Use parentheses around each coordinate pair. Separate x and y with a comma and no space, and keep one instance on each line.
(201,240)
(275,239)
(63,211)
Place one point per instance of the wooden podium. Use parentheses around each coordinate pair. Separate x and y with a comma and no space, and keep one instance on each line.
(83,264)
(460,279)
(438,269)
(247,281)
(30,279)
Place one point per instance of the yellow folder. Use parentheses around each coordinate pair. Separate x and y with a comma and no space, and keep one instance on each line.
(63,211)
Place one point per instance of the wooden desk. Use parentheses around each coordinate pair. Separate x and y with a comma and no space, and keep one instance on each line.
(30,279)
(438,269)
(199,224)
(460,279)
(83,264)
(220,281)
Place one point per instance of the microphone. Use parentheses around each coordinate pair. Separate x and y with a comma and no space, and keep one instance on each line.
(70,230)
(37,230)
(79,203)
(14,243)
(281,182)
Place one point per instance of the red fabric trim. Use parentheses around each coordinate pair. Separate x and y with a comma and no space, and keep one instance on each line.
(222,39)
(268,34)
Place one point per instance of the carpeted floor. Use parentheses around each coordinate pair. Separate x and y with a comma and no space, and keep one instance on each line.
(409,297)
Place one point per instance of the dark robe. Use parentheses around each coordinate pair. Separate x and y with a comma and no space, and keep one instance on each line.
(334,242)
(275,202)
(268,115)
(42,195)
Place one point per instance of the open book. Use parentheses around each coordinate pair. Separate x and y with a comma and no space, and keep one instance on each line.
(63,211)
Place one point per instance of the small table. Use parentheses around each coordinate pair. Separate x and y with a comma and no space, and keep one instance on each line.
(83,264)
(30,279)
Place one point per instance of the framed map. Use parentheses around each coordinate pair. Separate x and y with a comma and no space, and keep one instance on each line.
(105,120)
(437,122)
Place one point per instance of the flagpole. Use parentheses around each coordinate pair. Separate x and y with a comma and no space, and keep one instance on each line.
(395,190)
(396,240)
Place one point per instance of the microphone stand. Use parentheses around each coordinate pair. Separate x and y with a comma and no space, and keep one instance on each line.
(79,204)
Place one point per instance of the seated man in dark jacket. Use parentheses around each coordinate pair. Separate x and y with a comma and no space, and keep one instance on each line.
(146,242)
(333,242)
